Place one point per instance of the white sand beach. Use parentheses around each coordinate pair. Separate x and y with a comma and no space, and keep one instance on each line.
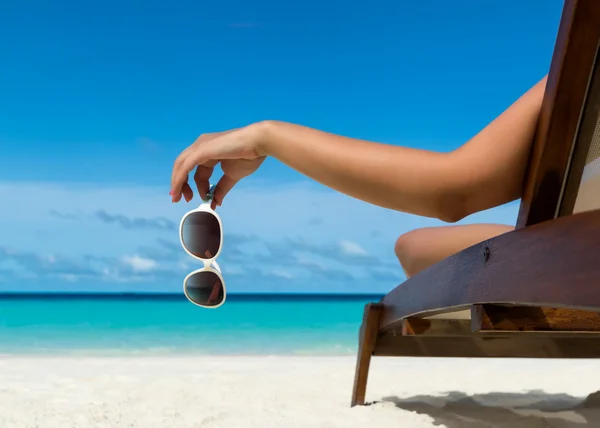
(289,392)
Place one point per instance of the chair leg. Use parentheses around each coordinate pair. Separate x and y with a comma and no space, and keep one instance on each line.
(366,345)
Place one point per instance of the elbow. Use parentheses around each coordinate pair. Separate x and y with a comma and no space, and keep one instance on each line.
(452,206)
(454,193)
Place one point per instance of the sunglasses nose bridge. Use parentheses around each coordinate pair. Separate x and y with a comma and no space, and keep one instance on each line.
(201,236)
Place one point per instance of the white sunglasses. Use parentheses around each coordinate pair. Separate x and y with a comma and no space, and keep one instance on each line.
(201,236)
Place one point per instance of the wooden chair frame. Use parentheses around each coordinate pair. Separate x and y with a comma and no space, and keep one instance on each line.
(534,292)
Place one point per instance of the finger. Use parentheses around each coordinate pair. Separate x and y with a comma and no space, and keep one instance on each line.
(181,162)
(187,192)
(176,194)
(202,177)
(224,185)
(180,159)
(182,156)
(184,167)
(199,153)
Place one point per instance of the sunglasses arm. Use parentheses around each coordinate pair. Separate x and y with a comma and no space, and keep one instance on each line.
(210,195)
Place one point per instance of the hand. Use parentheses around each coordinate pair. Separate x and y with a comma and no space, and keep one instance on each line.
(237,150)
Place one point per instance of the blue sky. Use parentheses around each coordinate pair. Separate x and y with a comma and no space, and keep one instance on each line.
(97,100)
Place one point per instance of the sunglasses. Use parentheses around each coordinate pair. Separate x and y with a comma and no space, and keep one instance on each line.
(201,235)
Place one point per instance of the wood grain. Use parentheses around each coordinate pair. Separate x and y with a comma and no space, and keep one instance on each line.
(545,263)
(553,264)
(435,327)
(566,89)
(516,318)
(366,345)
(484,345)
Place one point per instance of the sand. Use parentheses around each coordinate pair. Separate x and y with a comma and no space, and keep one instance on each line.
(290,392)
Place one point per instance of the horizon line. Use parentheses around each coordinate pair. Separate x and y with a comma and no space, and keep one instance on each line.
(158,296)
(161,293)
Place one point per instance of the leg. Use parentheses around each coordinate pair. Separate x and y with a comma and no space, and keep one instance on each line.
(367,338)
(421,248)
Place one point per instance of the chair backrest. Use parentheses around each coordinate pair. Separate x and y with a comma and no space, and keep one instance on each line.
(563,176)
(588,196)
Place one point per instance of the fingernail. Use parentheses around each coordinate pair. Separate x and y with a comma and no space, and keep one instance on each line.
(170,192)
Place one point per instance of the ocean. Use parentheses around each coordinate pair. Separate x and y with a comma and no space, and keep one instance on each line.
(247,324)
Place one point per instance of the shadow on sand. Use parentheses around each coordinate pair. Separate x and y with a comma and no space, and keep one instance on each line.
(534,409)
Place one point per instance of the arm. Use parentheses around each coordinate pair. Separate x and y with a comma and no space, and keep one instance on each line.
(485,172)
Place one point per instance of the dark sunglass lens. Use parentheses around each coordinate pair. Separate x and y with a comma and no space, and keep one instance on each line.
(205,288)
(201,234)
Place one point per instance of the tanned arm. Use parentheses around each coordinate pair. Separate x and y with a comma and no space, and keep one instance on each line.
(486,171)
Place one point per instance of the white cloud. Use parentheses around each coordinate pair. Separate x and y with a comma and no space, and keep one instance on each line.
(282,274)
(70,277)
(273,213)
(139,264)
(352,249)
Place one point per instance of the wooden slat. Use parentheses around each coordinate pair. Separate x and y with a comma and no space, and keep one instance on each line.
(491,345)
(435,327)
(545,262)
(553,264)
(566,89)
(507,318)
(589,119)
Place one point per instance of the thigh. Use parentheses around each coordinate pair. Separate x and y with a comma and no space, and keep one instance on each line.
(421,248)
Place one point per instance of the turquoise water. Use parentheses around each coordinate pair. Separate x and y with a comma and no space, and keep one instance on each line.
(118,324)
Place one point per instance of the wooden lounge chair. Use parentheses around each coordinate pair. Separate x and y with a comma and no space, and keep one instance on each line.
(534,292)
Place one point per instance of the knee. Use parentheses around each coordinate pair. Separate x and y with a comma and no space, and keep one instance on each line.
(406,249)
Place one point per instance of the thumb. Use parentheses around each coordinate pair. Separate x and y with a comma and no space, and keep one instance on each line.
(223,187)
